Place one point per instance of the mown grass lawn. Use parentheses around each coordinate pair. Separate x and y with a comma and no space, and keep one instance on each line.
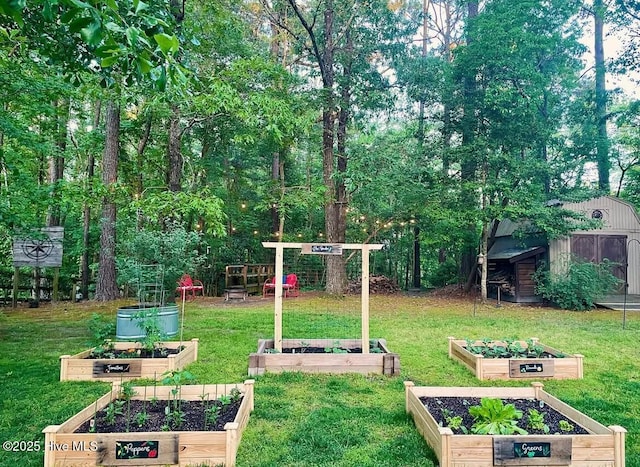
(324,420)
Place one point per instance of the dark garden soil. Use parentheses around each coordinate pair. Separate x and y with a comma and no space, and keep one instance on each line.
(510,355)
(320,350)
(459,406)
(194,417)
(161,352)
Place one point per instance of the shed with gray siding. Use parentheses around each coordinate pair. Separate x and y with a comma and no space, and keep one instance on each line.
(511,262)
(618,240)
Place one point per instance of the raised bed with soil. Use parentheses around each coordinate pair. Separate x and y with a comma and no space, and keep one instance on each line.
(324,356)
(591,444)
(553,364)
(81,367)
(69,444)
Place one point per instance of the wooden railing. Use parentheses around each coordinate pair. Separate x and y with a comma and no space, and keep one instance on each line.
(249,277)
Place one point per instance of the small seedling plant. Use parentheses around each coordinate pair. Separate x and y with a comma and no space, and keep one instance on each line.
(455,422)
(335,348)
(565,426)
(507,348)
(173,412)
(535,421)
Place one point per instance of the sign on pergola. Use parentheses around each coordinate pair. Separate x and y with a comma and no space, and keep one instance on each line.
(321,249)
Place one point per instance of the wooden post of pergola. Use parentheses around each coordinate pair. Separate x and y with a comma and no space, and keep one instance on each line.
(321,249)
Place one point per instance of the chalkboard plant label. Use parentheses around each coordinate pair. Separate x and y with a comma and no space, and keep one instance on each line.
(531,368)
(137,449)
(321,249)
(531,449)
(515,359)
(591,444)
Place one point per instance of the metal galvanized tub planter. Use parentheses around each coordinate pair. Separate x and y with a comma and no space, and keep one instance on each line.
(129,320)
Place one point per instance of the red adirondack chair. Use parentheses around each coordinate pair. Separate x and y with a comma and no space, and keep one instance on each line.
(290,286)
(188,287)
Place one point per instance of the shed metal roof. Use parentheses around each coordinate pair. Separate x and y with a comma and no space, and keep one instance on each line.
(516,254)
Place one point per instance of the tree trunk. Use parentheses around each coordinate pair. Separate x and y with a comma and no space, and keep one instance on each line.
(468,171)
(275,176)
(56,161)
(416,258)
(106,286)
(278,53)
(142,146)
(602,145)
(174,173)
(336,274)
(86,223)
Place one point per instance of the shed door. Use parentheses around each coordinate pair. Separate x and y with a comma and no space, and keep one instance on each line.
(525,286)
(595,248)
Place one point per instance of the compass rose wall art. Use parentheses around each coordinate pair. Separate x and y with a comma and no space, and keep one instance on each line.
(40,251)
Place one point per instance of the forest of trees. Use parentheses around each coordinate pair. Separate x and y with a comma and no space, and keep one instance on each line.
(188,132)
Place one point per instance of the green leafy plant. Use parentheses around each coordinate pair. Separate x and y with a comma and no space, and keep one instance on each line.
(493,417)
(149,321)
(141,418)
(516,349)
(579,285)
(174,416)
(173,411)
(106,350)
(565,425)
(335,348)
(101,331)
(535,421)
(534,349)
(488,348)
(453,422)
(113,410)
(235,395)
(212,414)
(175,249)
(127,391)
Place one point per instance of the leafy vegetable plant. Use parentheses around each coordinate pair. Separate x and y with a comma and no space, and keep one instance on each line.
(493,417)
(565,425)
(535,421)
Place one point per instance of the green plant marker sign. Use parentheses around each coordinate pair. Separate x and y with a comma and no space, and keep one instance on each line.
(531,450)
(137,449)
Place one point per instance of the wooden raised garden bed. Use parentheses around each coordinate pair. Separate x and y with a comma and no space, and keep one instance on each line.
(66,447)
(601,446)
(552,364)
(80,367)
(379,361)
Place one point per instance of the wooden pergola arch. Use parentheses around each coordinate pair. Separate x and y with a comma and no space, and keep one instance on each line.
(322,249)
